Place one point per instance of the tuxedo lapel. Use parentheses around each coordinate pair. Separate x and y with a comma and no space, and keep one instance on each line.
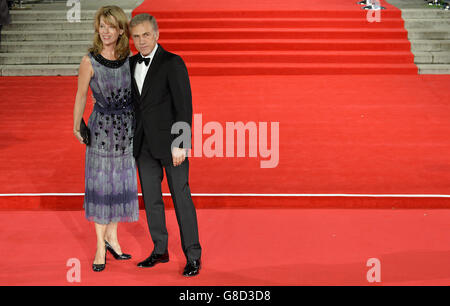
(156,62)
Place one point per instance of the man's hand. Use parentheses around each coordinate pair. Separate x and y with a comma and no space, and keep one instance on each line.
(178,156)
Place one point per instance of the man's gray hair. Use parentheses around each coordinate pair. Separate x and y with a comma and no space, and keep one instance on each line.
(141,18)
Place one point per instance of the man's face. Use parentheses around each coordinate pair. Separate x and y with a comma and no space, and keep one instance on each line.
(144,37)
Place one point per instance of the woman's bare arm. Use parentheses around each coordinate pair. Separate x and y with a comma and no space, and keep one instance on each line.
(85,74)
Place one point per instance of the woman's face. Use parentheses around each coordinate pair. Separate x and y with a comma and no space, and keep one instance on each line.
(108,33)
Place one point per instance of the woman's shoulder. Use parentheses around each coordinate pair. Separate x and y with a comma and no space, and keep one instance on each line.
(86,60)
(86,65)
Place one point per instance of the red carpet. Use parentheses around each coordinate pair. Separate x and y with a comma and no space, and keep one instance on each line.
(317,247)
(358,128)
(288,38)
(338,135)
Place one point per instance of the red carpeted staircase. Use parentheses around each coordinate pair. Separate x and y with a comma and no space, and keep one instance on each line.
(287,42)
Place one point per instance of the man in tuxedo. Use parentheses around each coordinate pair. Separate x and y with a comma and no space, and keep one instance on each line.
(162,95)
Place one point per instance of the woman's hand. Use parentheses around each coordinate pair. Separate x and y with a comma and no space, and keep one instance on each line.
(78,136)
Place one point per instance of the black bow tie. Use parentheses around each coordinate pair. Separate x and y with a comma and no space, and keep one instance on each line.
(145,60)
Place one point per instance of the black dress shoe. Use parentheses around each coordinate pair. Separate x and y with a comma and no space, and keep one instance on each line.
(153,259)
(114,253)
(192,268)
(99,268)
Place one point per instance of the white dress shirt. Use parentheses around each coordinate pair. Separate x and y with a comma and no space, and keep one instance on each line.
(141,69)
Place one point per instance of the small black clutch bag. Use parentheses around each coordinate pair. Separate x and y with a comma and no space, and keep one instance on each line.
(85,132)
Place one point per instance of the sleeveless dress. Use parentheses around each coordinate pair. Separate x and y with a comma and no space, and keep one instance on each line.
(110,174)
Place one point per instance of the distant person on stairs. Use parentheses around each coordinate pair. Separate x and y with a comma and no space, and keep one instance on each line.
(4,15)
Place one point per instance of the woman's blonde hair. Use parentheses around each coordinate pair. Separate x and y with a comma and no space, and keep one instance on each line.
(116,17)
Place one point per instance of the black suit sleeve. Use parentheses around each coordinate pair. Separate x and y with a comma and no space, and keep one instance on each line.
(180,89)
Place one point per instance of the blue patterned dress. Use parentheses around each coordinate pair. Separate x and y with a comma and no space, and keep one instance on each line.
(110,174)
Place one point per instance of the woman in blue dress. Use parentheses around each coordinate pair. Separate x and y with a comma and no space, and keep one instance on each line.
(110,173)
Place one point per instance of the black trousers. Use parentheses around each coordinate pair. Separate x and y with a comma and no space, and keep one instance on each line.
(151,175)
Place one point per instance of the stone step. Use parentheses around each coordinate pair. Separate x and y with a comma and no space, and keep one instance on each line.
(255,33)
(228,45)
(435,24)
(53,35)
(208,69)
(75,58)
(69,35)
(423,57)
(41,15)
(432,57)
(217,23)
(441,57)
(49,25)
(404,4)
(430,45)
(229,56)
(36,70)
(61,14)
(422,24)
(40,58)
(85,4)
(425,13)
(45,46)
(434,68)
(429,35)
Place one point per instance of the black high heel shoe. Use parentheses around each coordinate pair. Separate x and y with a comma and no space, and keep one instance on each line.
(122,256)
(99,268)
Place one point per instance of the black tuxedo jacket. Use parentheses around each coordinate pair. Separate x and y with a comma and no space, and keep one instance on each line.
(165,99)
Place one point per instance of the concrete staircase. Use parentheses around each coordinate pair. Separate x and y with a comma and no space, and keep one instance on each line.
(41,41)
(429,32)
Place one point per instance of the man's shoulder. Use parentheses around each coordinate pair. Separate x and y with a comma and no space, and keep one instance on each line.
(174,59)
(170,56)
